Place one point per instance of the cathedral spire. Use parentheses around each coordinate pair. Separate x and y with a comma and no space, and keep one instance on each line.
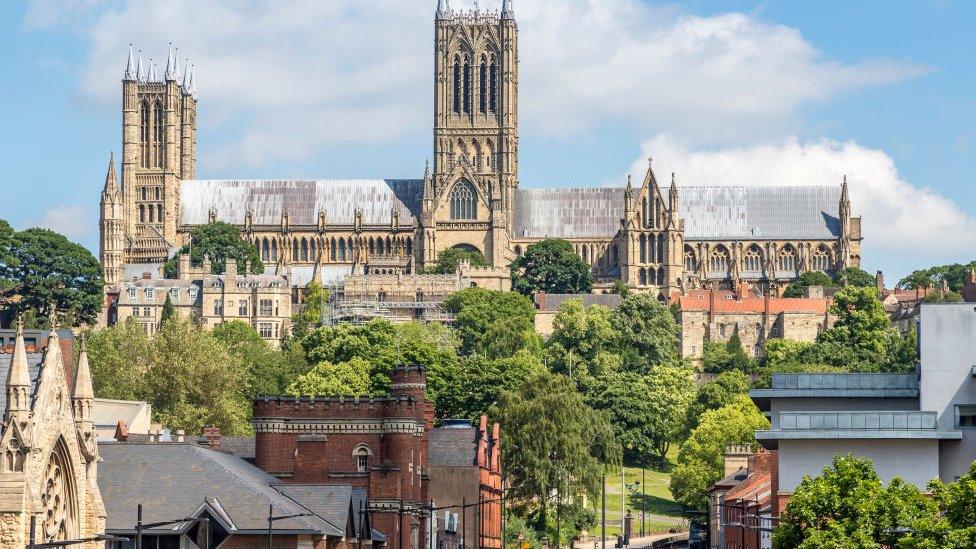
(186,76)
(843,191)
(170,64)
(443,9)
(152,71)
(83,381)
(130,66)
(111,183)
(508,11)
(673,196)
(140,69)
(18,380)
(191,87)
(176,66)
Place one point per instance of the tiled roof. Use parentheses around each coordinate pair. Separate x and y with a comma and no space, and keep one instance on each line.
(267,200)
(175,480)
(552,302)
(777,305)
(452,446)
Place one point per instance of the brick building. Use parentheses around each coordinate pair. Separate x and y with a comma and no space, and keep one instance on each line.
(741,505)
(379,444)
(465,469)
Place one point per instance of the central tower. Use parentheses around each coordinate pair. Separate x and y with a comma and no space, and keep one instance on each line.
(469,199)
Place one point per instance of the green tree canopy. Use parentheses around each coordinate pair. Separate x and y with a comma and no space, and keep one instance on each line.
(862,339)
(268,371)
(648,334)
(219,241)
(314,303)
(847,506)
(554,443)
(853,276)
(798,287)
(730,356)
(449,259)
(551,265)
(474,384)
(187,375)
(168,310)
(954,275)
(583,341)
(713,395)
(43,273)
(647,411)
(700,460)
(482,316)
(343,379)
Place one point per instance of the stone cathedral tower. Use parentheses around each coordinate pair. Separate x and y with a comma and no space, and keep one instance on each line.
(158,152)
(469,200)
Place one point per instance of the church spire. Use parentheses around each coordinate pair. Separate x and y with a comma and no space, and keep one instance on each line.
(140,69)
(130,66)
(443,9)
(186,76)
(170,64)
(508,11)
(83,381)
(18,379)
(111,183)
(673,195)
(844,198)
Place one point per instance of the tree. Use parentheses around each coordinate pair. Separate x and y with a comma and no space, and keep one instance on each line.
(449,259)
(471,386)
(937,295)
(185,373)
(43,273)
(325,379)
(476,310)
(713,395)
(168,310)
(862,336)
(847,506)
(268,371)
(853,276)
(954,526)
(309,317)
(700,460)
(717,357)
(219,241)
(647,411)
(554,444)
(648,334)
(583,341)
(798,287)
(954,275)
(551,265)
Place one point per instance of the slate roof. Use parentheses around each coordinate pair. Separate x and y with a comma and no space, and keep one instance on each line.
(452,445)
(174,480)
(710,213)
(302,199)
(33,369)
(552,302)
(330,502)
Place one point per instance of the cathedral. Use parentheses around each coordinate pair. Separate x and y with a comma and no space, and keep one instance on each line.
(653,236)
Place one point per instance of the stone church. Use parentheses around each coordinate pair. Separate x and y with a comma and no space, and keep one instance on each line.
(48,450)
(653,237)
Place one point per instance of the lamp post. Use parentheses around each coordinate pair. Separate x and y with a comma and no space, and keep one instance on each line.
(140,526)
(632,488)
(272,519)
(32,544)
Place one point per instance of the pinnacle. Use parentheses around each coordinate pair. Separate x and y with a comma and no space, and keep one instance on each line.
(18,374)
(111,183)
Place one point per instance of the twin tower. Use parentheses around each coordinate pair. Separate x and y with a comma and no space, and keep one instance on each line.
(475,143)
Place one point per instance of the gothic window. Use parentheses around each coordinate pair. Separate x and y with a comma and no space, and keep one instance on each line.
(615,254)
(660,248)
(311,250)
(59,497)
(457,85)
(142,214)
(463,201)
(644,211)
(409,246)
(159,213)
(372,246)
(690,266)
(787,259)
(586,255)
(265,250)
(821,259)
(294,250)
(660,276)
(158,135)
(642,276)
(332,249)
(304,250)
(274,250)
(361,454)
(467,85)
(342,249)
(753,261)
(493,87)
(483,85)
(152,214)
(718,261)
(643,249)
(389,246)
(144,131)
(157,193)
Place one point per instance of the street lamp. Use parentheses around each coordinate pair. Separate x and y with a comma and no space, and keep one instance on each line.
(140,526)
(633,491)
(272,519)
(64,543)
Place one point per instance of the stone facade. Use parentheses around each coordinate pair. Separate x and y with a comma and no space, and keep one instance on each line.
(262,301)
(653,238)
(48,451)
(715,315)
(379,444)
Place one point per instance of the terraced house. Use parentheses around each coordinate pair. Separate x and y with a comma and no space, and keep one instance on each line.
(654,238)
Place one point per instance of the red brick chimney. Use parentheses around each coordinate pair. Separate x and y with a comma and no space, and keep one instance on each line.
(121,431)
(212,436)
(879,280)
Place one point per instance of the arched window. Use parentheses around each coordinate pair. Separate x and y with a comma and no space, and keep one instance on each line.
(642,275)
(362,454)
(409,246)
(463,201)
(483,85)
(59,496)
(786,261)
(159,129)
(615,254)
(159,213)
(379,247)
(311,251)
(274,250)
(332,249)
(152,214)
(142,214)
(660,248)
(342,249)
(644,211)
(821,259)
(145,133)
(265,250)
(467,84)
(690,263)
(389,246)
(586,254)
(457,84)
(294,250)
(718,261)
(304,250)
(518,250)
(753,261)
(493,87)
(660,276)
(643,249)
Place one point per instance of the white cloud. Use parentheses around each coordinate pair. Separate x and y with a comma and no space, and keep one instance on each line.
(282,80)
(74,221)
(905,224)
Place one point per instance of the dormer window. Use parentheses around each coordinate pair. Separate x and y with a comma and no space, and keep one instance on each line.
(132,294)
(174,293)
(150,293)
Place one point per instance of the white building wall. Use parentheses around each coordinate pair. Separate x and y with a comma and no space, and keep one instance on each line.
(915,461)
(947,341)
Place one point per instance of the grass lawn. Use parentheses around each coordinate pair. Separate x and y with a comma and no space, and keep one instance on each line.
(662,513)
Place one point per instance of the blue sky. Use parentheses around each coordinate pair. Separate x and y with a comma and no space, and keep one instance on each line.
(719,92)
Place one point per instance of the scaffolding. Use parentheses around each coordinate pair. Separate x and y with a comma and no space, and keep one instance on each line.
(362,307)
